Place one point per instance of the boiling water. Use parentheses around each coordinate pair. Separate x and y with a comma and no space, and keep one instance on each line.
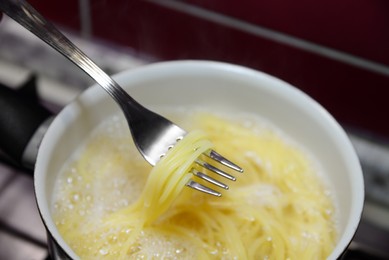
(107,174)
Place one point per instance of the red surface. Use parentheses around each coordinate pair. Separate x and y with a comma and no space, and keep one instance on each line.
(356,97)
(357,27)
(65,13)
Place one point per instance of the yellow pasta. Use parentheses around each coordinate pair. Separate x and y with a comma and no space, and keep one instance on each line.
(122,208)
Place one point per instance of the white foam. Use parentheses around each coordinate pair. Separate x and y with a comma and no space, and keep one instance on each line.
(93,199)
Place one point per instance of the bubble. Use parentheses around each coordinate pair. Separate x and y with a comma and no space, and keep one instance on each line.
(76,197)
(214,251)
(103,251)
(140,256)
(328,192)
(61,222)
(306,234)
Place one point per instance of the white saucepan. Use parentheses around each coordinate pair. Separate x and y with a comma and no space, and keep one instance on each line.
(216,86)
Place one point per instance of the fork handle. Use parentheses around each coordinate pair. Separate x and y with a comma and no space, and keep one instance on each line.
(23,13)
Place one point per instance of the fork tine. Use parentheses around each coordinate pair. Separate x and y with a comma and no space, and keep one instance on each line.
(202,188)
(215,170)
(209,179)
(219,158)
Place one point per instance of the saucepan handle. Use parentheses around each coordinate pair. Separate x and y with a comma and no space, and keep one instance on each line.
(23,121)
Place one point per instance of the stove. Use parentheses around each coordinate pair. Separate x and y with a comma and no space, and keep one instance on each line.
(22,234)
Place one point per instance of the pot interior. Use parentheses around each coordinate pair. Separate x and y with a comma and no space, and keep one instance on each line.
(219,87)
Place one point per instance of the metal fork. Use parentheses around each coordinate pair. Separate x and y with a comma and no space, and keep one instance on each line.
(152,133)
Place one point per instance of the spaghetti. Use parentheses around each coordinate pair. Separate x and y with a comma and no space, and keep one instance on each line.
(278,209)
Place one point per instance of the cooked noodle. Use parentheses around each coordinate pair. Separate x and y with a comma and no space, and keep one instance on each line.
(278,208)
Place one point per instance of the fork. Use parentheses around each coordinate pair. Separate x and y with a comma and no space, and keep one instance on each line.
(153,134)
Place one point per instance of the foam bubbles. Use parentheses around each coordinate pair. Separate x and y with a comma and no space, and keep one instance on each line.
(158,246)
